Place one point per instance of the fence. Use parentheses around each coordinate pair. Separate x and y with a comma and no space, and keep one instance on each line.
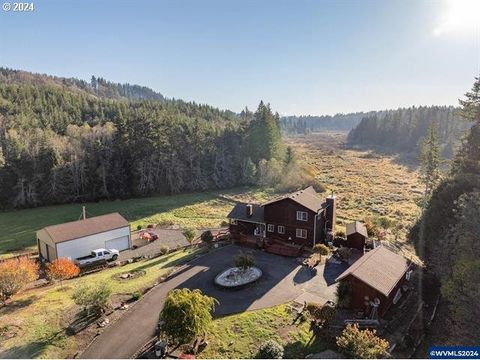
(29,254)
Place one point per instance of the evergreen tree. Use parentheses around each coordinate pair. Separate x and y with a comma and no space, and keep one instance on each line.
(430,160)
(264,135)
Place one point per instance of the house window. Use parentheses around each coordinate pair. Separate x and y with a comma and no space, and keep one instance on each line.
(281,229)
(301,233)
(271,228)
(302,216)
(234,222)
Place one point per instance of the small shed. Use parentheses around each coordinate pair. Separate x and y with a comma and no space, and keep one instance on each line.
(376,278)
(357,235)
(78,238)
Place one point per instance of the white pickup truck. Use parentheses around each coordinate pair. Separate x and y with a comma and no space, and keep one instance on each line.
(97,256)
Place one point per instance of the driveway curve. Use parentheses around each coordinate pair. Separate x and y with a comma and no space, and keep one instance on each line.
(283,280)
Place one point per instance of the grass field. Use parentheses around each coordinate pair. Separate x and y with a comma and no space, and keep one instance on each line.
(240,335)
(200,210)
(39,316)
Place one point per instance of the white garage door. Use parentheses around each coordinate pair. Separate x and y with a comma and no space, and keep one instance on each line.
(120,243)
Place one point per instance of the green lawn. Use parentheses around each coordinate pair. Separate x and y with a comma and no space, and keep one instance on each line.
(17,228)
(40,315)
(240,335)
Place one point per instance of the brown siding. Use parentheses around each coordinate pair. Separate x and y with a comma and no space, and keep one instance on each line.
(284,213)
(360,290)
(242,227)
(356,241)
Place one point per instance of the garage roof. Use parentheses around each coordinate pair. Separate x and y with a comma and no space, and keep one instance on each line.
(81,228)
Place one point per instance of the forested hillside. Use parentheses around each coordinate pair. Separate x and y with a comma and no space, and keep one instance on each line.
(446,236)
(62,141)
(403,130)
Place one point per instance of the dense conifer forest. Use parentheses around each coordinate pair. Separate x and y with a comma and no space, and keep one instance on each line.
(446,235)
(305,124)
(404,130)
(66,140)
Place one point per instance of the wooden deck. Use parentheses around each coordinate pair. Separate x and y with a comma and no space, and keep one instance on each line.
(273,246)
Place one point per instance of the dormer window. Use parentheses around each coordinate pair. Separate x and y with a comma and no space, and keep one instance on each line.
(302,216)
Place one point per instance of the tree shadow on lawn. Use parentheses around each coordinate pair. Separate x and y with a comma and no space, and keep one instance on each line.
(18,304)
(32,349)
(298,350)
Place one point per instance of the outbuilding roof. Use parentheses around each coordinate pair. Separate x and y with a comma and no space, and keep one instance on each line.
(357,227)
(85,227)
(306,197)
(239,212)
(380,268)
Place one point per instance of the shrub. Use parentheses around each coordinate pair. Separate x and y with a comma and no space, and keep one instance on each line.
(62,269)
(139,227)
(340,233)
(92,298)
(164,250)
(323,315)
(136,295)
(15,274)
(313,310)
(186,315)
(244,261)
(345,253)
(207,236)
(189,234)
(343,293)
(270,349)
(362,344)
(321,249)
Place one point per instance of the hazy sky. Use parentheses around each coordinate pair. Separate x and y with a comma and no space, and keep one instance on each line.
(304,57)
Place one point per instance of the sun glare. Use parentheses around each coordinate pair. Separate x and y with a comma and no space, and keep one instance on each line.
(459,16)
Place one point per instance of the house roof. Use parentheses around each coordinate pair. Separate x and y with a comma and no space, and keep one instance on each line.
(90,226)
(239,212)
(306,197)
(380,268)
(357,227)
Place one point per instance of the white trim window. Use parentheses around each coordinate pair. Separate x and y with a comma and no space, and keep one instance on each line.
(302,215)
(271,228)
(281,229)
(301,233)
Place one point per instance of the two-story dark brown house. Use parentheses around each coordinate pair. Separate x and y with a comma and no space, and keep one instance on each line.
(301,217)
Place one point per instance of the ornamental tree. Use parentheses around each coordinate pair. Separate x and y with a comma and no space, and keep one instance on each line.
(15,274)
(186,315)
(62,269)
(361,344)
(244,261)
(92,298)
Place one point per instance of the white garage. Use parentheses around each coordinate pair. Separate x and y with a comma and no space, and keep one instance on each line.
(78,238)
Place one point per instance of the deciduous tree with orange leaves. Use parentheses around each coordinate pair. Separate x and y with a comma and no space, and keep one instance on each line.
(62,269)
(15,274)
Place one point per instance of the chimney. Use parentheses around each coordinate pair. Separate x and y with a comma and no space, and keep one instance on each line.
(331,213)
(249,209)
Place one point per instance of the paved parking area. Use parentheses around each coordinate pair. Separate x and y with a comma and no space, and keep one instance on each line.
(283,280)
